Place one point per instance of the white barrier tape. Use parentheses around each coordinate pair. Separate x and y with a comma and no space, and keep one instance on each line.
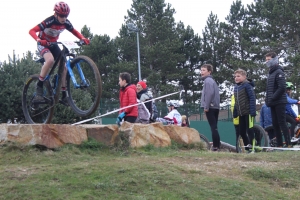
(277,148)
(117,110)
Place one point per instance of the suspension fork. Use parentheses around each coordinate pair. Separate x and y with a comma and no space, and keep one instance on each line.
(82,78)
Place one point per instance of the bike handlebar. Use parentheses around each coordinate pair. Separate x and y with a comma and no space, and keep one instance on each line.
(79,43)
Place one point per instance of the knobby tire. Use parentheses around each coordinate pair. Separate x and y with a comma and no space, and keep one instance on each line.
(44,113)
(205,141)
(84,100)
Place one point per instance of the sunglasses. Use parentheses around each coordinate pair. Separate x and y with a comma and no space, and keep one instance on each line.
(62,16)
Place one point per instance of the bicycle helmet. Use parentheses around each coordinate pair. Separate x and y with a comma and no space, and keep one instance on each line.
(290,86)
(61,8)
(173,103)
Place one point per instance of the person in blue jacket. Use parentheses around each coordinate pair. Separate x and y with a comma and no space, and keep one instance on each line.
(265,120)
(291,116)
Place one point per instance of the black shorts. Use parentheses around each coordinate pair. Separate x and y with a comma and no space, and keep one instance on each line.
(54,49)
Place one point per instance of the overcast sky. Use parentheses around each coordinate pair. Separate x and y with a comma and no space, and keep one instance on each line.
(101,16)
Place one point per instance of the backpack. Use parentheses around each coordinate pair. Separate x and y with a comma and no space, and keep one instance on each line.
(143,114)
(153,109)
(154,112)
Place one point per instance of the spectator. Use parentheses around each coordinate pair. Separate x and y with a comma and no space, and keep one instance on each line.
(173,117)
(127,97)
(276,98)
(210,102)
(245,106)
(266,120)
(143,94)
(185,121)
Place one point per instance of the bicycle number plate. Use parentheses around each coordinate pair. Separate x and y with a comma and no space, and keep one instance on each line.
(70,44)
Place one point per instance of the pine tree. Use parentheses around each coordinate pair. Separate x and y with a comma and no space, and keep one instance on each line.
(159,43)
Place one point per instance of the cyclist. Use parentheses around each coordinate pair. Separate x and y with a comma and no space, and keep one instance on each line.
(48,31)
(293,118)
(173,117)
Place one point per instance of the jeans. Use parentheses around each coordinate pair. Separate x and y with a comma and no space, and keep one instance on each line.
(246,127)
(279,124)
(212,118)
(130,119)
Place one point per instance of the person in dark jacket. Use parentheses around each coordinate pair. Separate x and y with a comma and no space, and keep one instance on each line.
(127,97)
(210,102)
(276,98)
(245,106)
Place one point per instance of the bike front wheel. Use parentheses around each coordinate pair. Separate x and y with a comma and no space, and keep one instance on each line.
(37,113)
(84,95)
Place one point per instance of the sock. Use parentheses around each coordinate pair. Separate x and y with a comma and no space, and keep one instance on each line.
(40,83)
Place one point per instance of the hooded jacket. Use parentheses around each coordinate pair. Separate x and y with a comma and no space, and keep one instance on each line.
(276,87)
(128,97)
(210,95)
(245,101)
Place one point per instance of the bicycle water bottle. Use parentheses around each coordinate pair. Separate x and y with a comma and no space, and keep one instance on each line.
(54,81)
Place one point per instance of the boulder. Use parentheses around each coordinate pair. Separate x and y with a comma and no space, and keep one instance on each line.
(48,135)
(106,134)
(138,135)
(131,135)
(182,135)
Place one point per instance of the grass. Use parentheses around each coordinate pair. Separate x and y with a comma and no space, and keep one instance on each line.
(95,171)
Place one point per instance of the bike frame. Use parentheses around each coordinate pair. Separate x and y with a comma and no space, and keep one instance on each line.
(63,61)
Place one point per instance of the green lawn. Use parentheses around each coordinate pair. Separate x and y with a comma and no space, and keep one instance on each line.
(93,171)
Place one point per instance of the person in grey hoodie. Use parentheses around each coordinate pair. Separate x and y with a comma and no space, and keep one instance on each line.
(210,102)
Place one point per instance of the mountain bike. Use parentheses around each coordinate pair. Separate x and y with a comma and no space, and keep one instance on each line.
(292,125)
(261,139)
(84,86)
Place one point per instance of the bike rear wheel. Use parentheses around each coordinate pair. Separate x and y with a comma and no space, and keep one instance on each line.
(261,136)
(43,113)
(84,99)
(205,141)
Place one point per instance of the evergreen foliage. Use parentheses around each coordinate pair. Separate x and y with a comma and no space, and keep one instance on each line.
(171,53)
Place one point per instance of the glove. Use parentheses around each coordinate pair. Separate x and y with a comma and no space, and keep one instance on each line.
(42,42)
(86,41)
(120,117)
(118,122)
(297,119)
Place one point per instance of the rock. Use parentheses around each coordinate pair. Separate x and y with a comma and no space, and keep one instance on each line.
(183,135)
(130,135)
(48,135)
(139,135)
(106,134)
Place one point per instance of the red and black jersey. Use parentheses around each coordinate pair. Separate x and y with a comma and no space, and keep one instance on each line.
(50,29)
